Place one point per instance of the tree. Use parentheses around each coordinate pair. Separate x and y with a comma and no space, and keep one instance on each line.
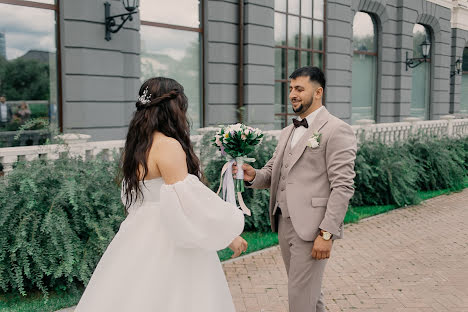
(22,79)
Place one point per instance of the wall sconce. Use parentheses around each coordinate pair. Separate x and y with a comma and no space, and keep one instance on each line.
(413,62)
(458,68)
(111,24)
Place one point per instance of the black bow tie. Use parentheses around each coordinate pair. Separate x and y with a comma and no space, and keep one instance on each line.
(298,123)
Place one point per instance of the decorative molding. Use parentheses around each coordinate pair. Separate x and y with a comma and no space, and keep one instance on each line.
(460,15)
(445,3)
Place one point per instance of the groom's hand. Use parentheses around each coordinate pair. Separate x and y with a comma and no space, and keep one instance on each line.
(249,171)
(322,248)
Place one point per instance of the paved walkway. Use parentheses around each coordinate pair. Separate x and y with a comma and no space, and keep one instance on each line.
(410,259)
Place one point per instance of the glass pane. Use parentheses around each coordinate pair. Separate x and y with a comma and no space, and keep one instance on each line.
(464,94)
(318,9)
(28,65)
(185,13)
(318,60)
(306,33)
(420,34)
(280,64)
(420,91)
(280,5)
(177,58)
(363,90)
(293,61)
(306,8)
(464,84)
(280,89)
(364,33)
(318,35)
(293,6)
(306,58)
(280,29)
(293,31)
(279,122)
(290,111)
(465,60)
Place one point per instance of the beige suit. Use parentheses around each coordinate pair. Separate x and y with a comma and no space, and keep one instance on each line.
(316,185)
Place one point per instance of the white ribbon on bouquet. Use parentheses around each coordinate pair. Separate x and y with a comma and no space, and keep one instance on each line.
(227,182)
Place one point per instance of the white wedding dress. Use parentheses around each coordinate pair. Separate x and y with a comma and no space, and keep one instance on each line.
(163,258)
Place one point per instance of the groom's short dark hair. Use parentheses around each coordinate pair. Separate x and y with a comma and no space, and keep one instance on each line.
(314,74)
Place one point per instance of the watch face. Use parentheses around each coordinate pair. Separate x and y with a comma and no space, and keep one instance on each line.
(326,235)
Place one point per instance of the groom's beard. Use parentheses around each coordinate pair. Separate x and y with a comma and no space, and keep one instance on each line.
(302,108)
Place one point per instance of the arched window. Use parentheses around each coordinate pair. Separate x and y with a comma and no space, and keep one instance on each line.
(421,87)
(364,79)
(464,89)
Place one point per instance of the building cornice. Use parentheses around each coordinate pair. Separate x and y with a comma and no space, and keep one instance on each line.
(445,3)
(460,14)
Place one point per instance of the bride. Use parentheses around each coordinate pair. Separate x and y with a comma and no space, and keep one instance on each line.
(163,258)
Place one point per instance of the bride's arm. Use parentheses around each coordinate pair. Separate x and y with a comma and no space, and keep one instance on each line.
(193,214)
(171,160)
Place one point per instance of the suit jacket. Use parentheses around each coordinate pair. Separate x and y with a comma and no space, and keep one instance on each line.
(319,183)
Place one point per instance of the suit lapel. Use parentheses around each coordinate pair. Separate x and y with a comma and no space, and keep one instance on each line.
(320,120)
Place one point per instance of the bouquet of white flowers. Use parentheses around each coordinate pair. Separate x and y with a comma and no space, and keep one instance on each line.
(235,143)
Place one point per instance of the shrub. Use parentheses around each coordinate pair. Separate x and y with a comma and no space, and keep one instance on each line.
(442,161)
(384,175)
(56,220)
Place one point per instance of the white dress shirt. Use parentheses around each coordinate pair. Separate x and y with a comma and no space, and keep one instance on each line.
(299,131)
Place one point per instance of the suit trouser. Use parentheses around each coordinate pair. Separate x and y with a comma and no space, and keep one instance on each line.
(304,273)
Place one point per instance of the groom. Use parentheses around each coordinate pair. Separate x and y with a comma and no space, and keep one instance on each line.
(310,177)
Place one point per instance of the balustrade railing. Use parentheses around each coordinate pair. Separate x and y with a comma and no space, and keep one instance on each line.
(77,145)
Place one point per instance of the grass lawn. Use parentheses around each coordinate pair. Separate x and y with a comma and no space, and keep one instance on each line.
(257,241)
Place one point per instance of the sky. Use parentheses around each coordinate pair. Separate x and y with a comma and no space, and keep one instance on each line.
(363,25)
(185,13)
(27,29)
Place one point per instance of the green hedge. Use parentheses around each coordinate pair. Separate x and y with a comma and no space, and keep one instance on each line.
(57,218)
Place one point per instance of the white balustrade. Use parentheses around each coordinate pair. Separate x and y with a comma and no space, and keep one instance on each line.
(77,145)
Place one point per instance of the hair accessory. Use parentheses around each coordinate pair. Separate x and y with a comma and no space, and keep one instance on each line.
(145,98)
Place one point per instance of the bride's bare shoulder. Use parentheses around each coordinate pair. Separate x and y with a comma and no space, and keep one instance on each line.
(162,141)
(170,158)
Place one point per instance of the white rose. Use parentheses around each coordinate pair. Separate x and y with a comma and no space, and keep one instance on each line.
(313,143)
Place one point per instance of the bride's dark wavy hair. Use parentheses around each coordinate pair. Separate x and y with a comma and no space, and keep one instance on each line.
(162,108)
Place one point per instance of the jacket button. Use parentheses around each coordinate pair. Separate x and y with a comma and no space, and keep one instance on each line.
(283,177)
(286,166)
(290,154)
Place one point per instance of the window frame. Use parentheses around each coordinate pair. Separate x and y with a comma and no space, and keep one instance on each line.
(287,47)
(199,30)
(53,7)
(430,35)
(376,54)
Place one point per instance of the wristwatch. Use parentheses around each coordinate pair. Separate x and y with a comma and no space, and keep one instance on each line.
(326,235)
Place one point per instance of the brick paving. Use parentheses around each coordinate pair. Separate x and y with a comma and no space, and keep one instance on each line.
(407,260)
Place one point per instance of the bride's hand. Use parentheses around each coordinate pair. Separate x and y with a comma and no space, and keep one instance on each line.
(238,245)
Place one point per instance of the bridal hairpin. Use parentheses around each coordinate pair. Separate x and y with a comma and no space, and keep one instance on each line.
(145,98)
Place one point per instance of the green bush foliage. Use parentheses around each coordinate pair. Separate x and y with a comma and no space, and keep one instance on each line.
(56,220)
